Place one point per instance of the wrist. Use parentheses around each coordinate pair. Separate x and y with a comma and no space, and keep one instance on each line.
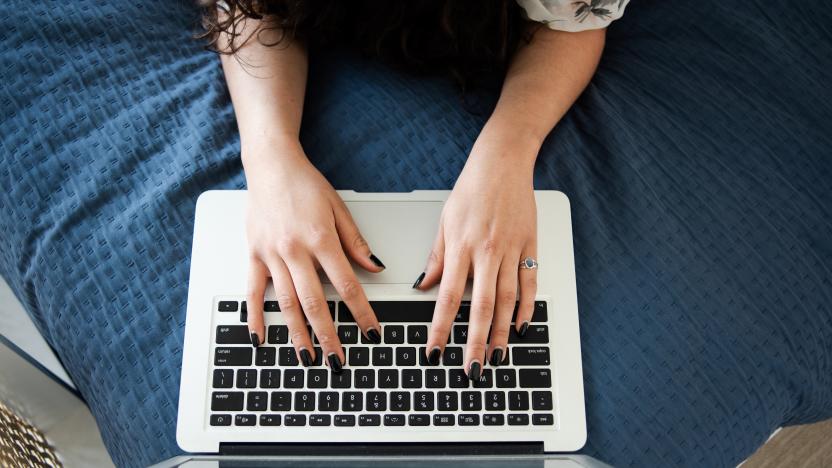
(508,150)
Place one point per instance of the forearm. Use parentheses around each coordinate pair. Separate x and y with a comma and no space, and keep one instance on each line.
(544,79)
(267,86)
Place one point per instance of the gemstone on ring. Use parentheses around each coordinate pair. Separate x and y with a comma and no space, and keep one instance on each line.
(528,263)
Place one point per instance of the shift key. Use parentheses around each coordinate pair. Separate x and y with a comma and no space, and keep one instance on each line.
(232,356)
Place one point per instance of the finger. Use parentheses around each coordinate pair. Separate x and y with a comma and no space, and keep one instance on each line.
(291,312)
(433,270)
(257,279)
(312,301)
(352,241)
(506,299)
(482,312)
(528,290)
(339,272)
(447,305)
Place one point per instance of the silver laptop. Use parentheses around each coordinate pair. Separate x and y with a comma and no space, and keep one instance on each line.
(238,401)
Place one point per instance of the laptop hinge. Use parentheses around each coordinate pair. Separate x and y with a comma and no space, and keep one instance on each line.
(384,449)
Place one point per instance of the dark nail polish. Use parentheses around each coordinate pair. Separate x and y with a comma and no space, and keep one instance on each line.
(433,357)
(377,262)
(496,357)
(474,371)
(373,336)
(334,363)
(255,340)
(523,329)
(419,280)
(305,357)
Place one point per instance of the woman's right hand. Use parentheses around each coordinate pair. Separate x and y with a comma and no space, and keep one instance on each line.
(296,222)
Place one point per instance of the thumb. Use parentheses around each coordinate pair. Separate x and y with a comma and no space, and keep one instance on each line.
(352,241)
(436,262)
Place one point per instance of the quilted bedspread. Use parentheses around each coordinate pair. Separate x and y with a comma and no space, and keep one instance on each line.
(698,164)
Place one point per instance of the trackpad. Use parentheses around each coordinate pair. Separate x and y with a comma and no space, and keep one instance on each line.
(400,234)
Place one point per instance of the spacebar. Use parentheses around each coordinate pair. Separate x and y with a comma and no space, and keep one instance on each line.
(394,311)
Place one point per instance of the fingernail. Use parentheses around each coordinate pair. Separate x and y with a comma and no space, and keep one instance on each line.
(334,363)
(419,280)
(305,357)
(373,336)
(523,329)
(255,340)
(496,357)
(376,261)
(474,371)
(433,357)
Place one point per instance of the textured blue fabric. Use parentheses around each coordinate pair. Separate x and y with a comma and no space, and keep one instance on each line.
(698,164)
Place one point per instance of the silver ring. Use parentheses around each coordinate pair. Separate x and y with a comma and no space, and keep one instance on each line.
(528,263)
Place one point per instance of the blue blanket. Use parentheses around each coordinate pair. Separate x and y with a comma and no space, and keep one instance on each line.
(698,163)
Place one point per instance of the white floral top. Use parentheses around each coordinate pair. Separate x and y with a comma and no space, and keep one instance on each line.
(573,16)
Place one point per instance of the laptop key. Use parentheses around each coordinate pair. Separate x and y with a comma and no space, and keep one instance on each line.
(271,306)
(359,356)
(471,401)
(506,378)
(286,356)
(485,380)
(464,312)
(435,378)
(342,380)
(443,420)
(469,420)
(405,356)
(388,378)
(233,334)
(345,420)
(394,334)
(270,419)
(447,401)
(227,306)
(518,419)
(295,420)
(457,378)
(305,401)
(460,334)
(320,420)
(394,420)
(518,401)
(256,401)
(353,401)
(316,378)
(232,356)
(265,356)
(281,401)
(348,334)
(412,378)
(243,315)
(382,355)
(277,334)
(493,419)
(293,378)
(542,400)
(223,378)
(400,401)
(369,420)
(495,401)
(270,378)
(365,378)
(418,420)
(535,334)
(417,334)
(394,311)
(535,378)
(543,420)
(452,356)
(423,401)
(244,420)
(220,419)
(376,401)
(246,378)
(328,401)
(525,356)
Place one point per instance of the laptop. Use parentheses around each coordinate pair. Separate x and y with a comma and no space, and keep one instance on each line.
(236,401)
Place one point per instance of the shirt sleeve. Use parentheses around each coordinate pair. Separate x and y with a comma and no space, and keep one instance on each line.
(574,16)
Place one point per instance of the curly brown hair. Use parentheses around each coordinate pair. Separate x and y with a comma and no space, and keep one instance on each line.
(466,39)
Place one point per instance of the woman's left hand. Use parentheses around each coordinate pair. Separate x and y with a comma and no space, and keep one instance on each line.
(488,225)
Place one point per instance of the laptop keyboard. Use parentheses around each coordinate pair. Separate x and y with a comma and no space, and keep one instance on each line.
(388,384)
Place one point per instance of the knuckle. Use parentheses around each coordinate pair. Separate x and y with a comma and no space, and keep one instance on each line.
(484,303)
(449,300)
(299,336)
(530,283)
(506,296)
(359,243)
(490,246)
(286,302)
(499,334)
(311,304)
(434,257)
(319,238)
(328,340)
(350,290)
(288,247)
